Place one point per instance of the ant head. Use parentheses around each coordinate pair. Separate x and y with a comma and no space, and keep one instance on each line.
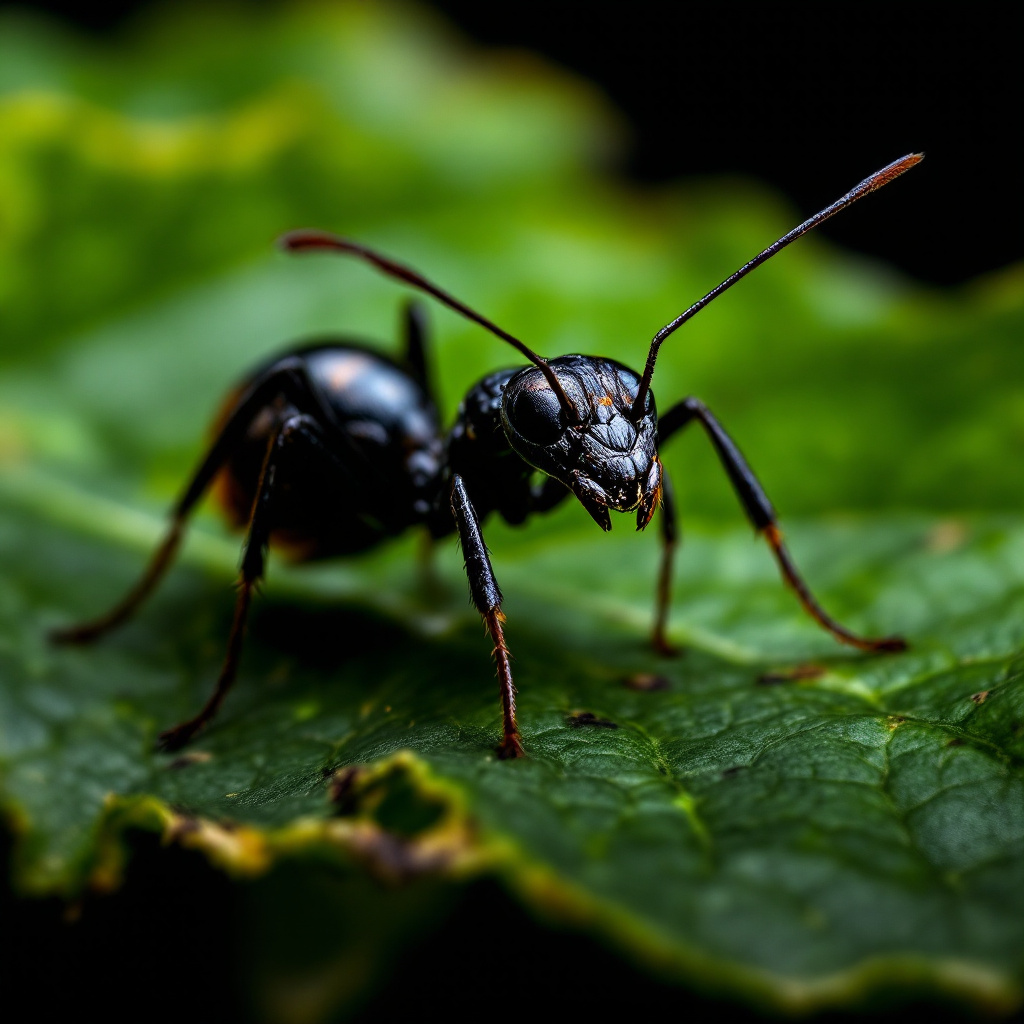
(607,455)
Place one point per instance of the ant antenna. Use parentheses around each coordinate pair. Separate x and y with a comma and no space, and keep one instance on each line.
(300,241)
(877,180)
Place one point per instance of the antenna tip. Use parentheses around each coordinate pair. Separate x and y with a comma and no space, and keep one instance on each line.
(903,164)
(887,174)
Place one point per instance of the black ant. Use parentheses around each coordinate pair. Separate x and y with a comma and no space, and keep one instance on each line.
(331,448)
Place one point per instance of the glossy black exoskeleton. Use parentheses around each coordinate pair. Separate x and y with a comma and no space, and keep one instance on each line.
(332,448)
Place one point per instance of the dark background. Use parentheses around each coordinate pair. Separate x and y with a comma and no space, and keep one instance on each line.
(810,98)
(810,106)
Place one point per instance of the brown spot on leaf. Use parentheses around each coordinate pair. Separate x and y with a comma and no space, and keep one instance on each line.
(894,721)
(578,719)
(341,789)
(981,696)
(645,682)
(956,741)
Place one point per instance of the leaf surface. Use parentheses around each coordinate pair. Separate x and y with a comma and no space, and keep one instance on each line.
(856,825)
(789,838)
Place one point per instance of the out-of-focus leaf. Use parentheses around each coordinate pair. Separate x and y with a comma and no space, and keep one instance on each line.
(138,212)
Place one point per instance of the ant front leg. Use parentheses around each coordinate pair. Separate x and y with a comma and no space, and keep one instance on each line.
(486,595)
(669,542)
(761,513)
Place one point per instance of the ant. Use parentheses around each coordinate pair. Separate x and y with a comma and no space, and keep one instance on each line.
(331,448)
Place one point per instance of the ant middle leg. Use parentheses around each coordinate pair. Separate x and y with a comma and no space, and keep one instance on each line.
(761,513)
(486,594)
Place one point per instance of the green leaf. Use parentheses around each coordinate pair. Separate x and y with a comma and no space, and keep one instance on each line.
(806,843)
(801,841)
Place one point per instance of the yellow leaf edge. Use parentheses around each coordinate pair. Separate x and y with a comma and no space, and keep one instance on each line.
(455,848)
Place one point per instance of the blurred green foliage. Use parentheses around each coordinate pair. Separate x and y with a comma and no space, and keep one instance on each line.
(141,187)
(732,832)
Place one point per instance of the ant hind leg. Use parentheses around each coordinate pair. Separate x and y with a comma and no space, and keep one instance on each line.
(295,429)
(253,564)
(416,333)
(284,379)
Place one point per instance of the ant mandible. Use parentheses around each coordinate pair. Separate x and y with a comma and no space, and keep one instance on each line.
(332,448)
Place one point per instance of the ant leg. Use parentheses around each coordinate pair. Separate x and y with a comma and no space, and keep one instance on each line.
(669,542)
(416,333)
(296,426)
(255,398)
(761,513)
(486,594)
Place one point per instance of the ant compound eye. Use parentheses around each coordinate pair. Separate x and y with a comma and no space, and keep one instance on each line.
(535,415)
